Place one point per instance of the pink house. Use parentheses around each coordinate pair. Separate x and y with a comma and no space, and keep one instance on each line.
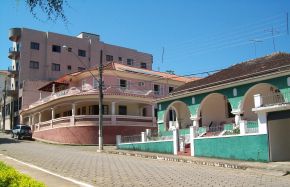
(69,112)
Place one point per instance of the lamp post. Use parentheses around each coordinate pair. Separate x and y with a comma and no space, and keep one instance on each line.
(100,81)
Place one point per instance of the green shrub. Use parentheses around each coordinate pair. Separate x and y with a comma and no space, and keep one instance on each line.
(9,177)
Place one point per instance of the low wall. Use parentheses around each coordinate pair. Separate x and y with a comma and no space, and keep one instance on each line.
(249,147)
(164,146)
(87,134)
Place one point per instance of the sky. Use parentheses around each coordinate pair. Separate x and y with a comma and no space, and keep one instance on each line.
(193,36)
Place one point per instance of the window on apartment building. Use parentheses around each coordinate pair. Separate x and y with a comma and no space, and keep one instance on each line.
(156,89)
(170,89)
(123,83)
(56,48)
(120,59)
(81,69)
(130,62)
(82,53)
(144,112)
(69,49)
(109,58)
(122,110)
(69,67)
(55,67)
(34,65)
(143,65)
(34,45)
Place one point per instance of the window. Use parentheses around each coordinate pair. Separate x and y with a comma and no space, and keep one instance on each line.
(82,53)
(79,111)
(56,48)
(122,110)
(170,89)
(67,113)
(143,65)
(69,49)
(34,65)
(95,83)
(94,110)
(69,67)
(34,45)
(123,83)
(156,89)
(109,58)
(141,83)
(55,67)
(144,112)
(57,115)
(130,62)
(81,69)
(120,59)
(84,110)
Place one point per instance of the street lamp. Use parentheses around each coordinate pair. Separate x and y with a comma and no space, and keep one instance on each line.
(100,81)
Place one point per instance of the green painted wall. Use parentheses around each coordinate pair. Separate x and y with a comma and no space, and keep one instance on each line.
(252,147)
(156,147)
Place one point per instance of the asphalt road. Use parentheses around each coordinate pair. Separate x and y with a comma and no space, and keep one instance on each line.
(83,163)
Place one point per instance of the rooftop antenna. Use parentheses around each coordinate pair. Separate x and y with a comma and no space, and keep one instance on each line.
(254,41)
(161,58)
(273,32)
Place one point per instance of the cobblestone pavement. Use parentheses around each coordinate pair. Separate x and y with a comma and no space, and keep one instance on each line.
(99,169)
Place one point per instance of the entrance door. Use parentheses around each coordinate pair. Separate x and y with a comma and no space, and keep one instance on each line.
(279,138)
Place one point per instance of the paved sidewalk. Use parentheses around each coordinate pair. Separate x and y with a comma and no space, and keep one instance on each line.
(279,168)
(50,180)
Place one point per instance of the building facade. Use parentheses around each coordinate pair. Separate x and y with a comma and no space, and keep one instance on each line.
(242,112)
(45,56)
(69,111)
(5,109)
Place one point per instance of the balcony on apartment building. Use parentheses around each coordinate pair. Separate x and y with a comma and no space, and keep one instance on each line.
(14,34)
(12,72)
(13,53)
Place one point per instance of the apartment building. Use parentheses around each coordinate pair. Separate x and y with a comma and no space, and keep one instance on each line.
(45,56)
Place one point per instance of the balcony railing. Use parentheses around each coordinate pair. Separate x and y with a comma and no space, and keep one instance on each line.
(13,53)
(271,99)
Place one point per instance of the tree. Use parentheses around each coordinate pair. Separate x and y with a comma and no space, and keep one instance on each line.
(53,9)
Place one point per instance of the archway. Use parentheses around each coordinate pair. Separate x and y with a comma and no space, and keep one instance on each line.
(247,104)
(177,116)
(215,111)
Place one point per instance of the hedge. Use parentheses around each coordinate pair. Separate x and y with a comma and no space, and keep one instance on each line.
(9,177)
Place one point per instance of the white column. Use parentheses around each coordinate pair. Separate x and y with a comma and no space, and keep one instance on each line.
(53,88)
(258,101)
(39,120)
(21,119)
(118,140)
(143,137)
(175,141)
(243,125)
(191,137)
(148,132)
(262,122)
(52,116)
(195,121)
(40,95)
(113,108)
(73,109)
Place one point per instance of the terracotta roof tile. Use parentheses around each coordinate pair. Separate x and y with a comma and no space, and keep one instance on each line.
(264,65)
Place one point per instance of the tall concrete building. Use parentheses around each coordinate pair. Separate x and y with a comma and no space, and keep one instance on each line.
(38,57)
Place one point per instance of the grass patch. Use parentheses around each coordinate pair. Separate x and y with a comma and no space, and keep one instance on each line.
(9,177)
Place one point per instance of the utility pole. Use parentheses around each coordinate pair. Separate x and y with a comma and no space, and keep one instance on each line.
(4,105)
(101,102)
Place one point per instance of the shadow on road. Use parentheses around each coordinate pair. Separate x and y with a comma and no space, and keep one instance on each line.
(8,140)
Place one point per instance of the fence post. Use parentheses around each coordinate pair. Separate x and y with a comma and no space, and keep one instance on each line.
(148,132)
(143,137)
(118,140)
(243,125)
(175,141)
(191,137)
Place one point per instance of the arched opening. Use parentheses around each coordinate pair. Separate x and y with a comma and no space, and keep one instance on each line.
(177,116)
(247,105)
(215,111)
